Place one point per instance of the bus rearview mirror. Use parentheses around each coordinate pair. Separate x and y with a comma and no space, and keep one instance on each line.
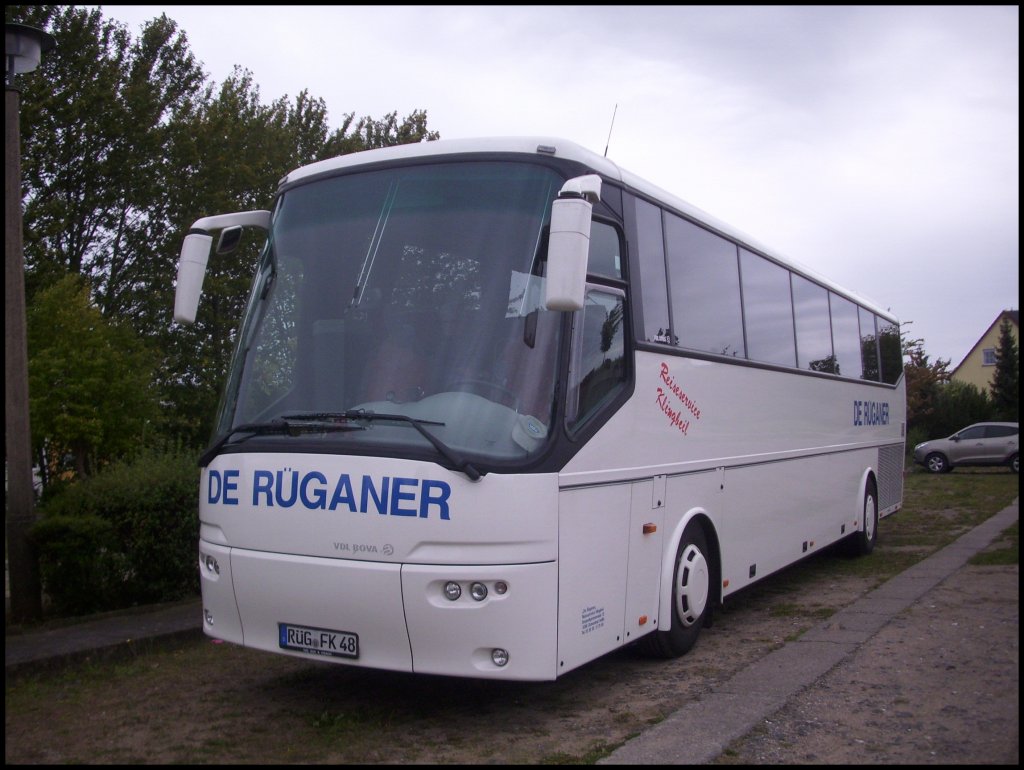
(229,239)
(569,243)
(195,253)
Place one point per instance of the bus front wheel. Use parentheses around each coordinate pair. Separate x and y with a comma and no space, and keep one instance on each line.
(692,598)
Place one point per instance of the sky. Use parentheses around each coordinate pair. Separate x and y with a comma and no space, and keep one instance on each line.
(876,145)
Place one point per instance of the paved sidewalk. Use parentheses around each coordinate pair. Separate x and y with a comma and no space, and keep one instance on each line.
(116,634)
(701,730)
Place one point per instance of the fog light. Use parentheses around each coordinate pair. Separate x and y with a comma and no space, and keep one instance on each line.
(212,565)
(452,590)
(500,587)
(499,657)
(208,616)
(478,591)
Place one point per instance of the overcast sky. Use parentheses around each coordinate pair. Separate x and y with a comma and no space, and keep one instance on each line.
(876,145)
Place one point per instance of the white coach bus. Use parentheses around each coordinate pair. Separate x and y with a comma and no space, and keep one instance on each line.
(499,407)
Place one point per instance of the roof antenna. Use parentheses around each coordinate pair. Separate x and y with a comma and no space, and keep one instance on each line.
(610,130)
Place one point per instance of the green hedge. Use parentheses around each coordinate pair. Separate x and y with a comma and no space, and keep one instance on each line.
(126,536)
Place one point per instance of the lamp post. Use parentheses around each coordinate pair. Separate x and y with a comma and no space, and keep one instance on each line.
(23,50)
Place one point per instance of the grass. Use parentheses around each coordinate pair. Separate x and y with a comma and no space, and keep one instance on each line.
(937,509)
(1004,551)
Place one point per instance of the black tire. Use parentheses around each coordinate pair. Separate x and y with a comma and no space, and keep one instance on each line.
(863,541)
(936,462)
(1014,464)
(692,597)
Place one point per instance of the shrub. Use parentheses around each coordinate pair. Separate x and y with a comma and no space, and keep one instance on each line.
(958,405)
(82,563)
(125,536)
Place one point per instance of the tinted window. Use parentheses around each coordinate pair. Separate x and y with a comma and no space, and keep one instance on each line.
(846,336)
(394,285)
(975,431)
(605,256)
(598,367)
(890,350)
(767,310)
(1000,431)
(813,336)
(868,345)
(653,286)
(705,289)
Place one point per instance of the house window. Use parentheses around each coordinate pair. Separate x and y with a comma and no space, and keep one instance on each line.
(988,357)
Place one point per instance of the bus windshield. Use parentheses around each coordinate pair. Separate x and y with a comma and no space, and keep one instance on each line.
(411,292)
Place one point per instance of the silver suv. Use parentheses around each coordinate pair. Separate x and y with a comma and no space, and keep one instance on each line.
(984,443)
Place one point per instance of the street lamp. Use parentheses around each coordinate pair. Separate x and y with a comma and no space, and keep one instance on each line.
(24,47)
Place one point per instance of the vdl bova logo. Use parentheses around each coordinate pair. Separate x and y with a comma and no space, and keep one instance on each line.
(387,495)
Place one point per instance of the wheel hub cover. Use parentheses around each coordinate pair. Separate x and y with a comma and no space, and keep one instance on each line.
(693,582)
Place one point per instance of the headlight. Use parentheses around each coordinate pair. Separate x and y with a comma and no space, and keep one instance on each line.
(452,590)
(478,591)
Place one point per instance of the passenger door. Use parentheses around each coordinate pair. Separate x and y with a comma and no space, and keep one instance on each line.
(1000,442)
(969,447)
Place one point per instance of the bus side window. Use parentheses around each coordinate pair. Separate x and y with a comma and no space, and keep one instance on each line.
(598,369)
(605,258)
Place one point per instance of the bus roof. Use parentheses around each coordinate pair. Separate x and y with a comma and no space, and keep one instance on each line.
(563,148)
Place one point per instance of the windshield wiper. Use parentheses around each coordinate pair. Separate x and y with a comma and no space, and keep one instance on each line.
(446,451)
(278,425)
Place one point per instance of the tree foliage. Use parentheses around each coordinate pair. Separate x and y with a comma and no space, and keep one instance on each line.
(957,405)
(95,119)
(924,381)
(937,405)
(1006,380)
(90,379)
(126,143)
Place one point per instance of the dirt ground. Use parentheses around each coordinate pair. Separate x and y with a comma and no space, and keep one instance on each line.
(937,685)
(934,686)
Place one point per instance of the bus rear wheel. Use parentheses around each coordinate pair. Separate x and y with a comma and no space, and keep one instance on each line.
(863,542)
(692,598)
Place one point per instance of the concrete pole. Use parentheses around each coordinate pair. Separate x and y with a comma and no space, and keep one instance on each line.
(23,564)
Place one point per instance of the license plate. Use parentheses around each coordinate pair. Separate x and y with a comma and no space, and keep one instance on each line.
(318,641)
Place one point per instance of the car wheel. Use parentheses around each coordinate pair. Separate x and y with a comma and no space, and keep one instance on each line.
(1014,463)
(936,463)
(692,598)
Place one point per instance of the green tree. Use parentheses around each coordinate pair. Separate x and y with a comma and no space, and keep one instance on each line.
(1006,380)
(370,134)
(956,405)
(127,145)
(231,159)
(924,380)
(90,380)
(94,133)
